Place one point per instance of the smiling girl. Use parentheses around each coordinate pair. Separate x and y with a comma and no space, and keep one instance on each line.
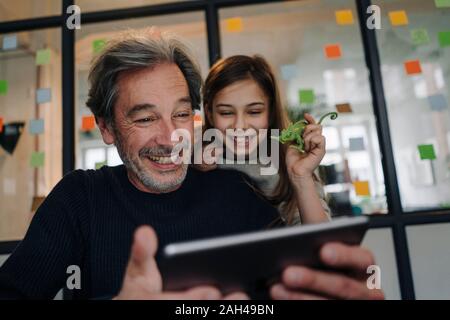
(241,94)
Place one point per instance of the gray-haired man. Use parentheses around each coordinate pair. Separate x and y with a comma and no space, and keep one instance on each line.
(143,87)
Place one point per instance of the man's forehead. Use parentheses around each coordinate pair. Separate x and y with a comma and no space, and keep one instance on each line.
(152,83)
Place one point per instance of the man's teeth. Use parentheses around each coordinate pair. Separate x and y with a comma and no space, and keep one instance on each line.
(162,160)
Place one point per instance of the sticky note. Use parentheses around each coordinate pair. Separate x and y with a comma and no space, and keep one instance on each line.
(43,95)
(234,25)
(307,96)
(344,17)
(426,152)
(9,186)
(437,102)
(442,3)
(444,39)
(398,18)
(98,45)
(98,165)
(356,144)
(1,124)
(344,108)
(413,67)
(10,42)
(37,159)
(36,126)
(198,117)
(333,51)
(43,57)
(420,37)
(87,123)
(361,188)
(3,87)
(288,71)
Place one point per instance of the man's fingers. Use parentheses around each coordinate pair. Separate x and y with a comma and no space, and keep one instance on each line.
(142,262)
(198,293)
(333,285)
(340,255)
(237,296)
(280,292)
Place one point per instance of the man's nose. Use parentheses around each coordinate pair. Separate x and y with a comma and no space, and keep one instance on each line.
(165,130)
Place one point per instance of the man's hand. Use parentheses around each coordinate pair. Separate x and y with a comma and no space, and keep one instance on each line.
(143,280)
(300,283)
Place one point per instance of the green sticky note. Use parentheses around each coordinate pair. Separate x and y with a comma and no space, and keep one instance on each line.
(3,87)
(442,3)
(98,45)
(98,165)
(444,39)
(426,152)
(420,37)
(43,57)
(307,96)
(37,159)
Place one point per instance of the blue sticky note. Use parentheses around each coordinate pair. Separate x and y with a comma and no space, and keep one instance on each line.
(288,71)
(356,144)
(437,102)
(10,42)
(43,95)
(36,126)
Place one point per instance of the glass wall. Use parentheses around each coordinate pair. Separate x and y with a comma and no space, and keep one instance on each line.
(414,44)
(30,125)
(91,151)
(11,10)
(316,51)
(97,5)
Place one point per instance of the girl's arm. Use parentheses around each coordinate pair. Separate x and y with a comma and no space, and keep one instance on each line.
(301,166)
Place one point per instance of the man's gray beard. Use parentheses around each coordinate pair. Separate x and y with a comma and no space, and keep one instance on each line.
(147,180)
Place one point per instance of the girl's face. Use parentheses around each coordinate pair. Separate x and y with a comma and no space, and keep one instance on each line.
(242,106)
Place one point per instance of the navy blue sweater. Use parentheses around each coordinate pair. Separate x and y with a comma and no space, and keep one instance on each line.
(90,216)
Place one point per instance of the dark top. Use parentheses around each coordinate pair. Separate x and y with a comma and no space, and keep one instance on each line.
(90,216)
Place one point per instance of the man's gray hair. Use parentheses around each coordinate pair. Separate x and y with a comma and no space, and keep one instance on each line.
(135,50)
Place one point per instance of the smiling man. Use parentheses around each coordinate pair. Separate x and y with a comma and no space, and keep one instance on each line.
(144,86)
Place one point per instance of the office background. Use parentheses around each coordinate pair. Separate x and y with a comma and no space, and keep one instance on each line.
(387,153)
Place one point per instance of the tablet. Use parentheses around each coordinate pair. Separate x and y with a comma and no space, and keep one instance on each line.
(251,262)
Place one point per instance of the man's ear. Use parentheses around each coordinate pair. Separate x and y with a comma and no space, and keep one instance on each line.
(106,131)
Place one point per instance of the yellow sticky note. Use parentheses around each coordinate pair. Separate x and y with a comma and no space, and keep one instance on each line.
(361,188)
(344,17)
(234,25)
(398,18)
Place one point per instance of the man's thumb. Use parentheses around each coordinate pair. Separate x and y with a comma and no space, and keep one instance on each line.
(142,261)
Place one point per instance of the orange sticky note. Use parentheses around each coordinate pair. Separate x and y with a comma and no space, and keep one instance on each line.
(344,17)
(1,124)
(234,25)
(198,117)
(87,123)
(361,188)
(344,108)
(333,51)
(398,18)
(413,67)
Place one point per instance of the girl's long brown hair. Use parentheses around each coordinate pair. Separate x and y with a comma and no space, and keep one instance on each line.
(237,68)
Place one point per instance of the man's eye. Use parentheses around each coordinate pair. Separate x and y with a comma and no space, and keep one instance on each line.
(144,120)
(183,115)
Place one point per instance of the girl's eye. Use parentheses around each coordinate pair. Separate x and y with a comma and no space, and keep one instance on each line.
(225,113)
(255,112)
